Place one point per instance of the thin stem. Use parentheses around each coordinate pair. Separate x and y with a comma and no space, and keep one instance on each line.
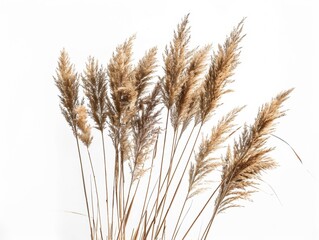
(120,192)
(106,185)
(180,225)
(125,206)
(189,137)
(168,173)
(179,183)
(201,211)
(182,154)
(150,176)
(161,169)
(172,156)
(96,189)
(114,192)
(148,185)
(92,205)
(220,199)
(127,214)
(205,234)
(163,151)
(84,186)
(175,145)
(180,215)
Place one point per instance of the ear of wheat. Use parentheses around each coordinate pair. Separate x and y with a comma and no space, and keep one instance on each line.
(128,102)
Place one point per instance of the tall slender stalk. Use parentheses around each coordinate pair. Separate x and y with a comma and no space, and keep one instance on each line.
(160,174)
(169,180)
(96,191)
(84,187)
(179,183)
(205,234)
(201,211)
(179,216)
(106,185)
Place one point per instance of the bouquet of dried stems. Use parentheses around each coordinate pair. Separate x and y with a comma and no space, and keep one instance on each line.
(145,164)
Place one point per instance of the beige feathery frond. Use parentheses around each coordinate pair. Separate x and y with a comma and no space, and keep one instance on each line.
(204,164)
(145,130)
(176,60)
(144,71)
(95,89)
(124,98)
(184,108)
(68,84)
(249,157)
(121,77)
(221,69)
(122,104)
(84,129)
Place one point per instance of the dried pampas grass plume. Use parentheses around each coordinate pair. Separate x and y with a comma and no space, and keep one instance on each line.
(176,60)
(204,163)
(95,89)
(222,67)
(249,156)
(84,129)
(186,103)
(68,84)
(243,165)
(140,196)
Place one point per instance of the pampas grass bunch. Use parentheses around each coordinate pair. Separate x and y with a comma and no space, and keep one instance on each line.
(133,109)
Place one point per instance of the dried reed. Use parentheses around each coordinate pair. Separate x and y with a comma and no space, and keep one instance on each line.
(128,102)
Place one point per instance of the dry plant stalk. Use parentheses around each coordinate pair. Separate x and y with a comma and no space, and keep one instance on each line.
(129,102)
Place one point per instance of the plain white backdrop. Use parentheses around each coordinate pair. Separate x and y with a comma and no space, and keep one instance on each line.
(39,174)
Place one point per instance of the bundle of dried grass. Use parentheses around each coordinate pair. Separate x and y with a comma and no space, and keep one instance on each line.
(126,101)
(68,84)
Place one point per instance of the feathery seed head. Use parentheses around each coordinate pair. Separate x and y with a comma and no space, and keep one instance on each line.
(95,89)
(176,60)
(249,157)
(68,84)
(204,164)
(221,69)
(84,129)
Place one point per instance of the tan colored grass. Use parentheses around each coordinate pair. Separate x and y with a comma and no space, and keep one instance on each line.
(186,104)
(204,163)
(68,84)
(222,67)
(84,129)
(95,89)
(176,59)
(126,100)
(249,156)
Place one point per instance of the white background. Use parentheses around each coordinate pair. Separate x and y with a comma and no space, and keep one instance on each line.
(39,174)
